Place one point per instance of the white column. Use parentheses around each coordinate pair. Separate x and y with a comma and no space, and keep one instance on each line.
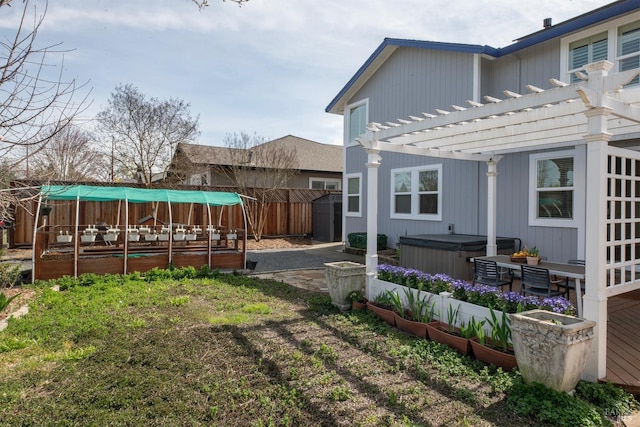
(595,298)
(492,203)
(371,259)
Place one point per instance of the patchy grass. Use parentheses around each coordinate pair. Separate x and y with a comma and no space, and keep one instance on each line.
(230,351)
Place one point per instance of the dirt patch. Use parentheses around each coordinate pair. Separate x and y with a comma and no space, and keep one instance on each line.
(23,298)
(279,243)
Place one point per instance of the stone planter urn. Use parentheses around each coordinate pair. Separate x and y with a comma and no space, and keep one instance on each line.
(343,277)
(551,348)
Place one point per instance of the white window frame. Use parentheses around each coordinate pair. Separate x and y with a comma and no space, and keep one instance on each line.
(347,120)
(578,189)
(415,194)
(346,195)
(196,179)
(325,181)
(611,28)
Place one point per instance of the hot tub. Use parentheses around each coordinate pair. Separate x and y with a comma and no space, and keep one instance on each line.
(449,253)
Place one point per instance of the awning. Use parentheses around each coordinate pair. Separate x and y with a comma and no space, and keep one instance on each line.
(138,195)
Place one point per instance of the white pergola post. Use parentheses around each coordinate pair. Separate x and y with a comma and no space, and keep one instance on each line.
(371,259)
(492,203)
(595,298)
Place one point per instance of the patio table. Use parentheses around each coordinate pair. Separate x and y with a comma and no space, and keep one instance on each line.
(571,271)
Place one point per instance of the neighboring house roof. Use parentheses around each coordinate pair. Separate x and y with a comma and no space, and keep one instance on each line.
(390,45)
(312,156)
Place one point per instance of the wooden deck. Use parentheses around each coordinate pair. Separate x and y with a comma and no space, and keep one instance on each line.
(623,345)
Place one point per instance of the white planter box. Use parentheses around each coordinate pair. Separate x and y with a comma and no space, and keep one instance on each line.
(134,237)
(179,236)
(150,237)
(232,236)
(215,236)
(111,237)
(64,238)
(163,237)
(190,237)
(465,310)
(88,238)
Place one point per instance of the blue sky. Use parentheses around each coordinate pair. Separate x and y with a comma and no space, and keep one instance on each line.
(269,67)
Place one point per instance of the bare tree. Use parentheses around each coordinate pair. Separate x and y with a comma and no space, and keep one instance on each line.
(71,155)
(143,133)
(258,170)
(204,3)
(36,101)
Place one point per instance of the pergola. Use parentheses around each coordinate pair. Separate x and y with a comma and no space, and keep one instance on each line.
(592,112)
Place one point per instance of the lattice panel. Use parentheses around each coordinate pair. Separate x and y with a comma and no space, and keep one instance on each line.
(623,221)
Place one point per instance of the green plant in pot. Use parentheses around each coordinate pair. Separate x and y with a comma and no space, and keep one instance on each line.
(358,301)
(382,307)
(498,349)
(448,333)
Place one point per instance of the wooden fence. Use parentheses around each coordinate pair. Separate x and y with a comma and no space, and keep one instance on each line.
(290,213)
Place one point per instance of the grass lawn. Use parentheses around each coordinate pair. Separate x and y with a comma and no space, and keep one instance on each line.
(227,351)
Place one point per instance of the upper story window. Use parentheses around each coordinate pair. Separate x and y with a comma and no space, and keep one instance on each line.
(617,41)
(554,188)
(629,47)
(199,179)
(586,51)
(353,194)
(356,118)
(417,193)
(324,184)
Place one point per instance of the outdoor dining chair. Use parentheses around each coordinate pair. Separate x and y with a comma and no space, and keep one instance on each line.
(537,281)
(487,273)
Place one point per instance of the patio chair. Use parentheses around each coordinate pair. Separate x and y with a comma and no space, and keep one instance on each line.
(487,273)
(537,281)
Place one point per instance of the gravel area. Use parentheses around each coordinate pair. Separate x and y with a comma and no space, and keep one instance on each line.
(300,258)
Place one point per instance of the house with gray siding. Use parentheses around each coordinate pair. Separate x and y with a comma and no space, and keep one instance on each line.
(537,140)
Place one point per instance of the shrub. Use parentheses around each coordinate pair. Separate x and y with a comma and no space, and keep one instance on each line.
(359,241)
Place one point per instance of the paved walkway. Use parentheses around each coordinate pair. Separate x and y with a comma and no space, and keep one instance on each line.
(300,267)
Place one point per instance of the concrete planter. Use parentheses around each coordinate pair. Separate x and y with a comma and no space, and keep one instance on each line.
(551,348)
(342,278)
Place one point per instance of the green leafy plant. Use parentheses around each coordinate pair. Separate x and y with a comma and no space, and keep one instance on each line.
(500,330)
(420,308)
(4,301)
(533,252)
(383,300)
(356,296)
(470,329)
(396,304)
(9,274)
(452,318)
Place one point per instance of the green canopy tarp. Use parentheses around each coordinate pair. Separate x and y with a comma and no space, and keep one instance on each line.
(138,195)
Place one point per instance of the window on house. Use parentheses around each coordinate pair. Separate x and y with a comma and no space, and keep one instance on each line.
(629,48)
(354,201)
(199,179)
(357,120)
(586,51)
(324,184)
(416,193)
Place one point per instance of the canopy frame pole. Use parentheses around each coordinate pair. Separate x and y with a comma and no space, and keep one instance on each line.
(76,248)
(209,236)
(189,216)
(244,244)
(125,266)
(118,217)
(170,233)
(33,244)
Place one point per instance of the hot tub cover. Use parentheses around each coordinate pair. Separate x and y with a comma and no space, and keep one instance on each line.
(456,242)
